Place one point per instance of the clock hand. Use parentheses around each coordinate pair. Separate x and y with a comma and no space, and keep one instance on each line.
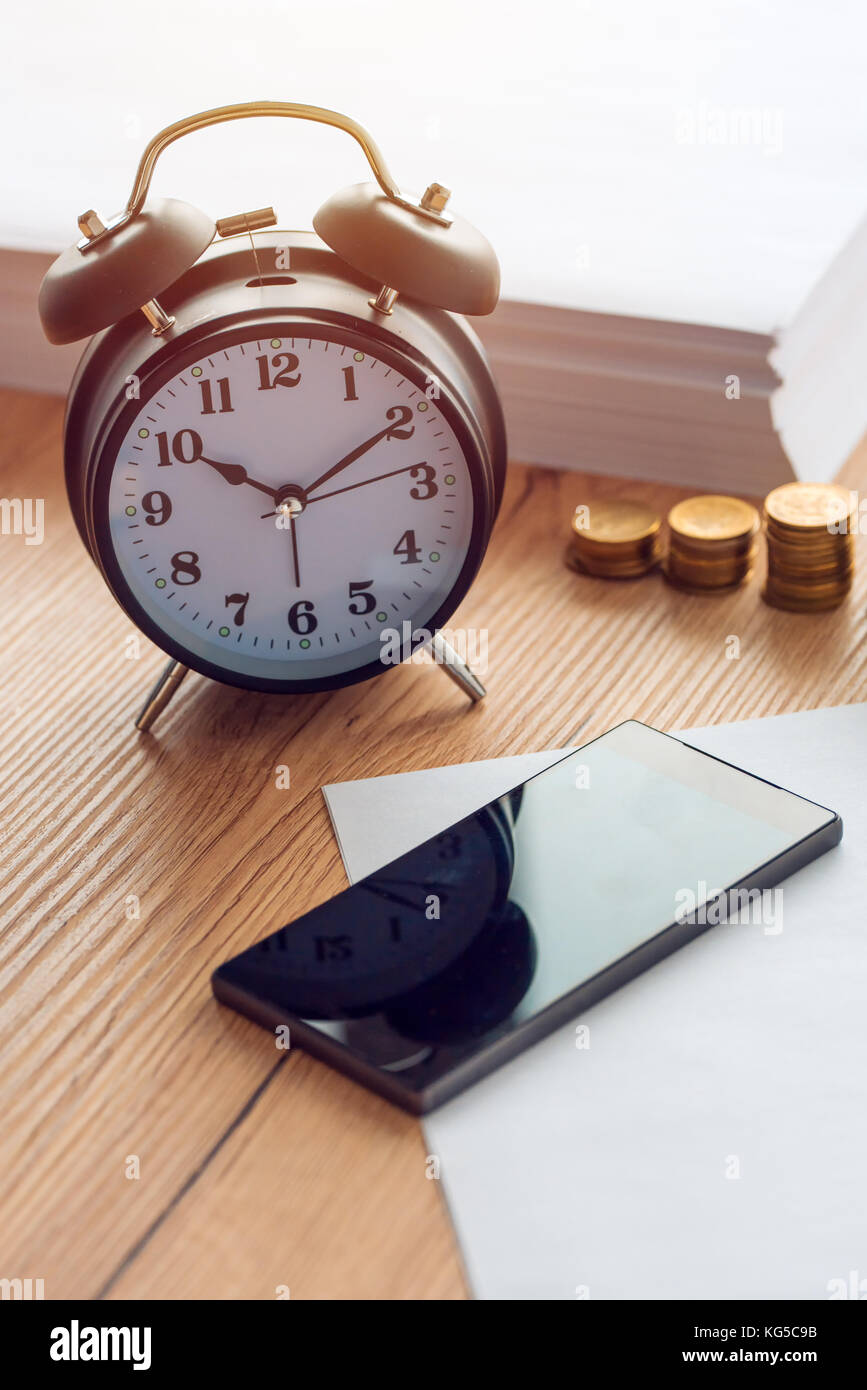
(351,486)
(294,550)
(236,474)
(393,897)
(399,415)
(378,479)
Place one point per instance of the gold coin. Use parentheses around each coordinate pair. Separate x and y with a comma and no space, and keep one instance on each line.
(620,569)
(813,544)
(792,604)
(689,584)
(808,506)
(712,550)
(614,521)
(713,518)
(711,559)
(807,588)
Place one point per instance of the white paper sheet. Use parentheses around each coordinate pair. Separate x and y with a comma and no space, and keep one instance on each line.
(712,1140)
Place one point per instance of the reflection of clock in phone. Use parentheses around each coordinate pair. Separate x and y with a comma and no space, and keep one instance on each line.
(548,898)
(406,923)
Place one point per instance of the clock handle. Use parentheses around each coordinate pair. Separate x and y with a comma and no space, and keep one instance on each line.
(238,112)
(121,265)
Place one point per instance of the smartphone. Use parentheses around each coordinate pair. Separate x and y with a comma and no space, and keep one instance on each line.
(426,975)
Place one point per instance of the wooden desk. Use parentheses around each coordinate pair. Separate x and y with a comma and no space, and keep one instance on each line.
(260,1168)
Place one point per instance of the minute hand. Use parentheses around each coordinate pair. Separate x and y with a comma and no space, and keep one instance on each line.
(403,414)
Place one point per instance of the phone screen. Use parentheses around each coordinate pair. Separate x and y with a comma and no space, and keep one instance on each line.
(454,946)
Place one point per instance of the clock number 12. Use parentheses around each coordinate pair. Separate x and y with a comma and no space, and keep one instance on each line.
(284,364)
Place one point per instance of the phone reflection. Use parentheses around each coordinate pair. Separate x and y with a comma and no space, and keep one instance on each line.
(430,953)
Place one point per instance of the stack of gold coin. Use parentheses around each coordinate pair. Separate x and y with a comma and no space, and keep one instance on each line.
(614,539)
(811,556)
(711,543)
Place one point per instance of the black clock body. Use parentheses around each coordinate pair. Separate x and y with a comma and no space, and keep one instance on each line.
(292,291)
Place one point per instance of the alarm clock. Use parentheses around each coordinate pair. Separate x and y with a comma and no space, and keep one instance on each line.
(287,466)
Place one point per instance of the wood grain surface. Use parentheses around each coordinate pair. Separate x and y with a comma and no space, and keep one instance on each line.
(132,865)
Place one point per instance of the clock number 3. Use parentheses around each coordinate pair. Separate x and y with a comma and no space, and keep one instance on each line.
(425,487)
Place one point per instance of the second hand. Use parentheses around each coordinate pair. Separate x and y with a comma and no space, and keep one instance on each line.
(350,487)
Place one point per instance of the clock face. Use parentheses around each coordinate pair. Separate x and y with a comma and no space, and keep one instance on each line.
(289,507)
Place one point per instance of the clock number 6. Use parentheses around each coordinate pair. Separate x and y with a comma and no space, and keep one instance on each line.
(302,619)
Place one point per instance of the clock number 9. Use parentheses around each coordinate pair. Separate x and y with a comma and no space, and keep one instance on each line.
(302,619)
(158,508)
(187,447)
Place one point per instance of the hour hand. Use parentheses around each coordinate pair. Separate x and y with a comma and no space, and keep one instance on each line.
(236,474)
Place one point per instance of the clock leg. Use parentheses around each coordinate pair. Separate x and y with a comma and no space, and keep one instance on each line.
(456,668)
(170,678)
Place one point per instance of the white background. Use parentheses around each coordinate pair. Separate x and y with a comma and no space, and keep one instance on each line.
(556,125)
